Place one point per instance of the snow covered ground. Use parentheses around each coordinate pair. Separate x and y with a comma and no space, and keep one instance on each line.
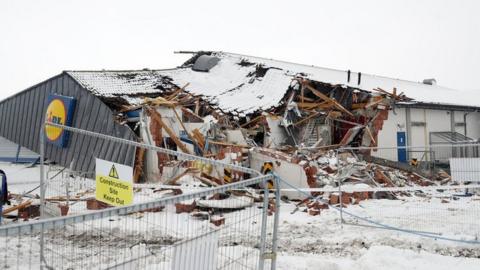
(377,257)
(322,242)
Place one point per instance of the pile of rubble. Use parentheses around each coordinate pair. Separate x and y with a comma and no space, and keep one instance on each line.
(301,137)
(345,168)
(311,119)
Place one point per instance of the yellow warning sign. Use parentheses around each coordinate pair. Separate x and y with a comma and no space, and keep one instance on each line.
(114,183)
(113,172)
(266,169)
(227,175)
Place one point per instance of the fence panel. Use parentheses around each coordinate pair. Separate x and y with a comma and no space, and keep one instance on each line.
(425,195)
(192,217)
(150,235)
(411,201)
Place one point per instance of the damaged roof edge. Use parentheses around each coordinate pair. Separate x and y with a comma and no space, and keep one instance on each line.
(229,73)
(436,106)
(318,67)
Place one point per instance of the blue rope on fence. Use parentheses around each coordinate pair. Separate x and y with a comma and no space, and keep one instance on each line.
(379,224)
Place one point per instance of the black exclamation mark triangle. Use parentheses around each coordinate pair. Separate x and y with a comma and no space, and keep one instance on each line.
(113,172)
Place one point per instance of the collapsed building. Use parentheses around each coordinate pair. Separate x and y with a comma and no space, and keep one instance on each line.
(265,114)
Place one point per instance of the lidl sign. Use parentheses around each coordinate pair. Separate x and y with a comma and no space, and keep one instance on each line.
(59,111)
(114,183)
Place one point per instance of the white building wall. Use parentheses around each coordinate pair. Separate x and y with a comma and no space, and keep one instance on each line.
(434,121)
(422,122)
(473,125)
(387,137)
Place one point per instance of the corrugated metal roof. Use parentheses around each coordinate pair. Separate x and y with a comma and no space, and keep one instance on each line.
(114,83)
(233,84)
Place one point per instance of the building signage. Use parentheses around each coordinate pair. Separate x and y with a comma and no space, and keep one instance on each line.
(59,111)
(114,183)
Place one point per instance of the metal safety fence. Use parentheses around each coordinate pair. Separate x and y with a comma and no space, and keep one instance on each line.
(225,221)
(189,222)
(460,161)
(167,169)
(372,188)
(150,235)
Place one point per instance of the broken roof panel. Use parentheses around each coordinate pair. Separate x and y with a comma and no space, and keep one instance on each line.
(117,83)
(231,87)
(244,84)
(229,84)
(416,90)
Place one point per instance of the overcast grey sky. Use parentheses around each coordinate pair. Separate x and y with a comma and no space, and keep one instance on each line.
(410,40)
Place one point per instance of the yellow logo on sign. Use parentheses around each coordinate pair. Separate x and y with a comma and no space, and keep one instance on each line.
(56,113)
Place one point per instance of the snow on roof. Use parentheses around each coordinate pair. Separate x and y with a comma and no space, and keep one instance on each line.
(236,84)
(418,91)
(231,86)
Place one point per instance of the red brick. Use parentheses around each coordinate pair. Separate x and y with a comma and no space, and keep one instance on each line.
(154,209)
(313,212)
(30,211)
(177,191)
(360,196)
(216,196)
(185,208)
(346,198)
(63,209)
(93,204)
(217,221)
(322,206)
(334,199)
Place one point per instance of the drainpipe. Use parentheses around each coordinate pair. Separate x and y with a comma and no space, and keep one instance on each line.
(426,132)
(465,123)
(408,129)
(452,121)
(452,129)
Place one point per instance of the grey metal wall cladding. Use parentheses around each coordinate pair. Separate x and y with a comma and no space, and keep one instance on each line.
(22,115)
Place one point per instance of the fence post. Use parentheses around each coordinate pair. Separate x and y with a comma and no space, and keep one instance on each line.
(340,193)
(340,199)
(273,264)
(42,172)
(19,148)
(261,260)
(42,193)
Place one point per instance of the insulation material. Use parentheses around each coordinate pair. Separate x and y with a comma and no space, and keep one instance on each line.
(276,135)
(235,137)
(169,118)
(151,168)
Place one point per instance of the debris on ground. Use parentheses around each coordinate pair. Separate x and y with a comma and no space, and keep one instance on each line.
(319,135)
